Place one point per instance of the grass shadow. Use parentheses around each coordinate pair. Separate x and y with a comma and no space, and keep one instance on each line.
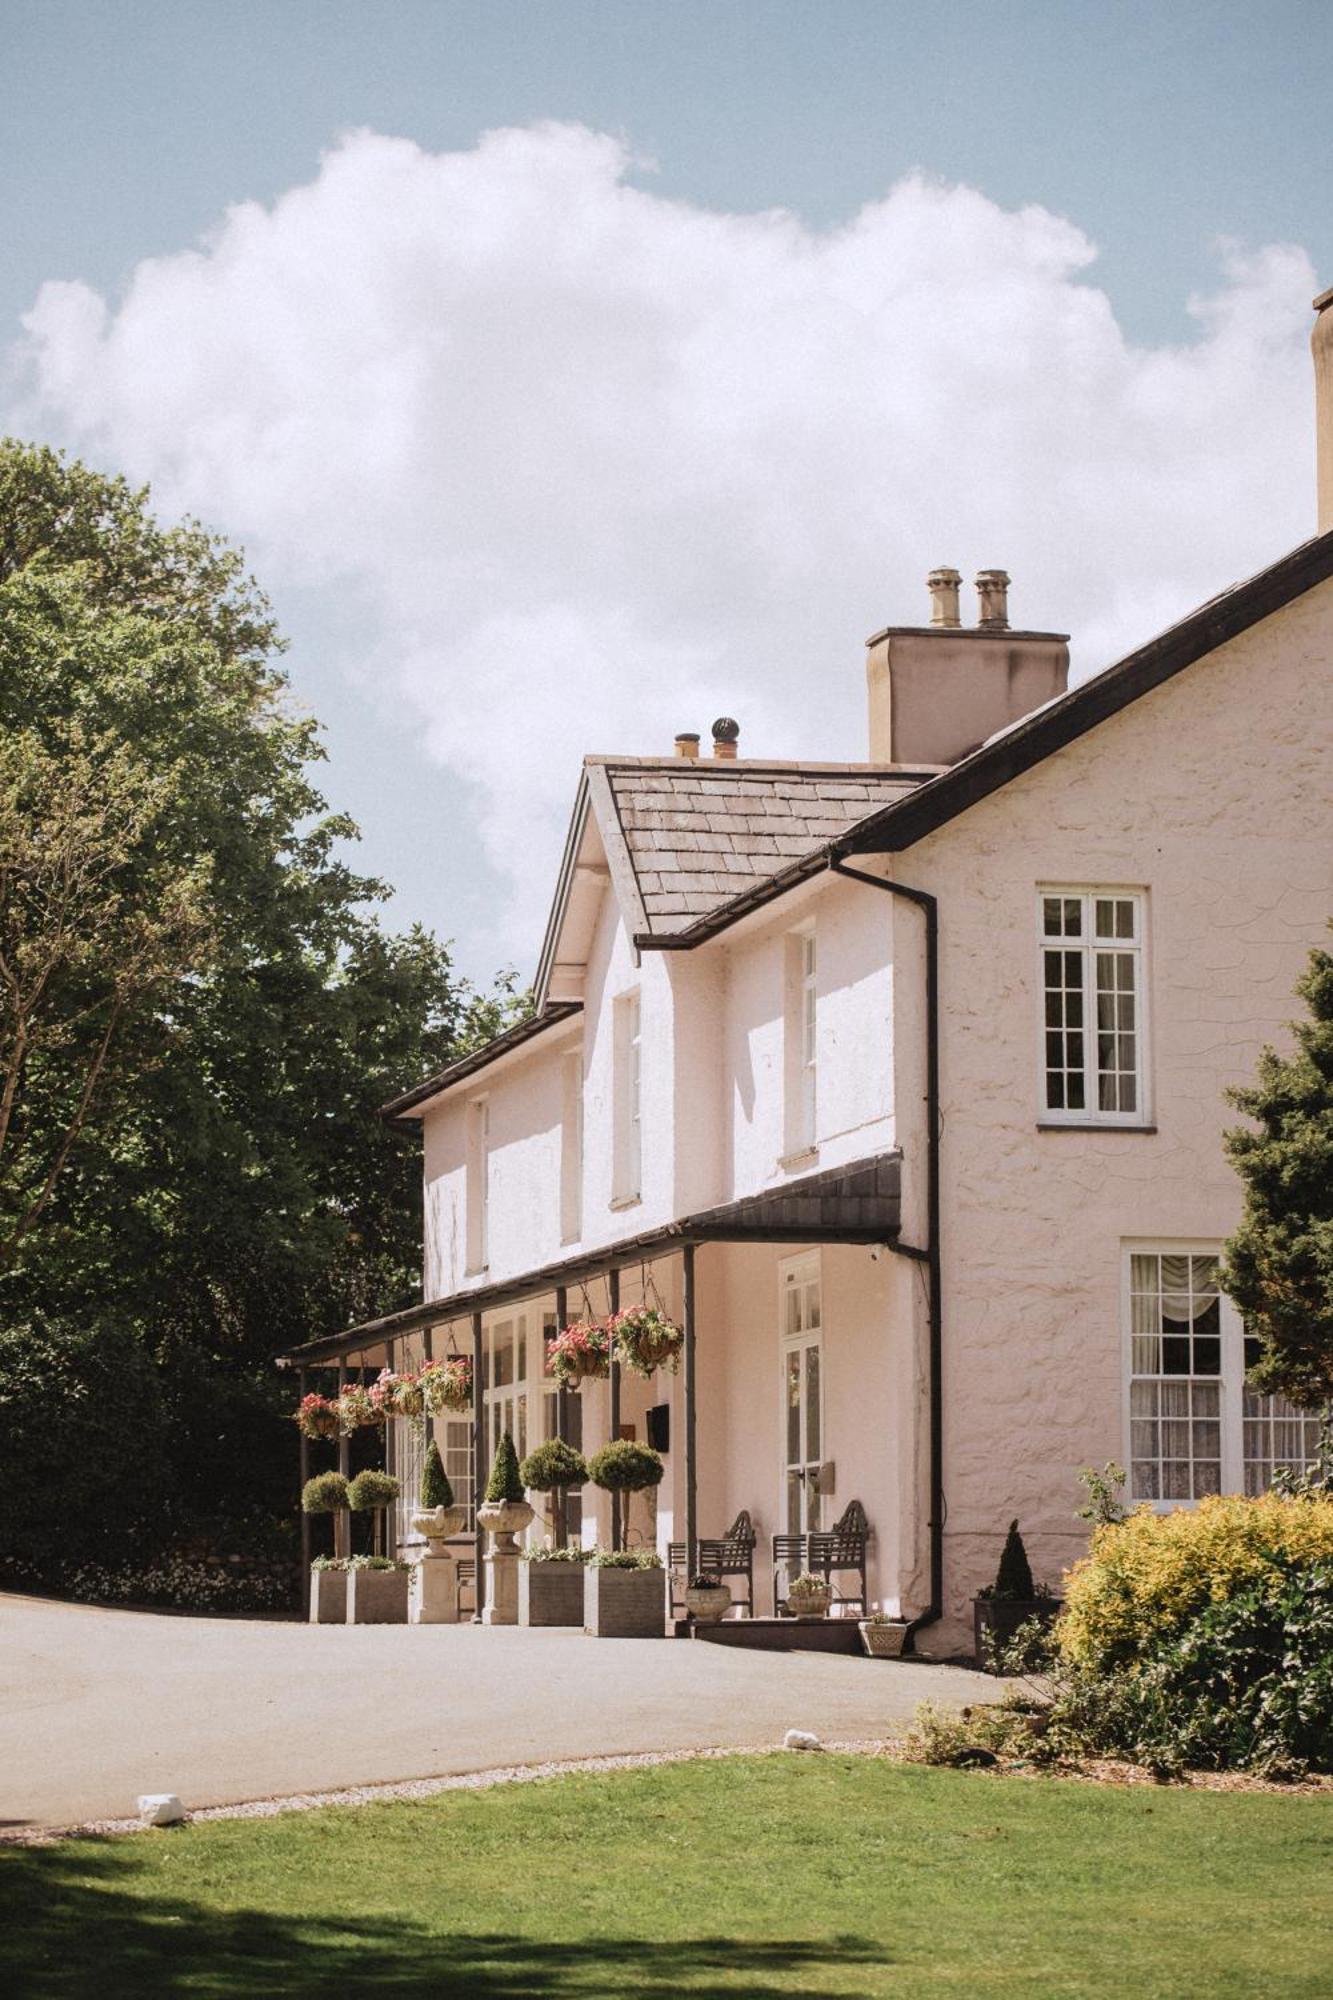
(72,1923)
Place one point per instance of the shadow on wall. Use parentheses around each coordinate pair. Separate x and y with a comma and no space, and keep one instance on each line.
(71,1925)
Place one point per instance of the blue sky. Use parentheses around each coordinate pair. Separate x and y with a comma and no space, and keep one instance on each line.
(1151,135)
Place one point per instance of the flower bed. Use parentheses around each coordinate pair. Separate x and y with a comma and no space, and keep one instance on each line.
(188,1583)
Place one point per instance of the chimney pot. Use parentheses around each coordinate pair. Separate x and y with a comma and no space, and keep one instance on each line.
(687,743)
(943,585)
(993,599)
(725,734)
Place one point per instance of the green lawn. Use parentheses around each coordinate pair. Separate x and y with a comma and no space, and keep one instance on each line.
(755,1876)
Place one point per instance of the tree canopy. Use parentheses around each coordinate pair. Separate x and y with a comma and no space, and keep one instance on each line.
(1279,1263)
(200,1008)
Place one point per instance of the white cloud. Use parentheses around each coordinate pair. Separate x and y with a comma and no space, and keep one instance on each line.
(604,465)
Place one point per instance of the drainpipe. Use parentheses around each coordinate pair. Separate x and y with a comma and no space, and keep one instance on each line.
(929,908)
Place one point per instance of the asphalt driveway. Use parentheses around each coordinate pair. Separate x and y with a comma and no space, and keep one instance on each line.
(97,1706)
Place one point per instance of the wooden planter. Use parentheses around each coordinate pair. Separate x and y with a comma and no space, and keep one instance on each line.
(625,1603)
(328,1597)
(995,1621)
(550,1593)
(377,1596)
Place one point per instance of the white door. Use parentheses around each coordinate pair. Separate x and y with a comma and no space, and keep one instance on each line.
(507,1385)
(803,1449)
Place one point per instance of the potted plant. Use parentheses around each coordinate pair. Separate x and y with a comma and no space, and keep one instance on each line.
(883,1636)
(446,1385)
(550,1585)
(645,1339)
(357,1409)
(326,1493)
(398,1395)
(437,1516)
(553,1468)
(504,1513)
(376,1591)
(582,1353)
(707,1599)
(1013,1598)
(328,1590)
(317,1417)
(624,1594)
(373,1493)
(623,1468)
(809,1596)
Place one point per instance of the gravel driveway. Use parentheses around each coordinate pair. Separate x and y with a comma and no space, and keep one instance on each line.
(98,1706)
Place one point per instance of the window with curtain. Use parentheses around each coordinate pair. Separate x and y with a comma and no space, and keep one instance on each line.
(1093,1028)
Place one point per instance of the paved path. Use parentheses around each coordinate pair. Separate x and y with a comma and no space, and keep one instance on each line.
(98,1706)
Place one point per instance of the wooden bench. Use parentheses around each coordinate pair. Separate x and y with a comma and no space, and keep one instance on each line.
(827,1552)
(726,1555)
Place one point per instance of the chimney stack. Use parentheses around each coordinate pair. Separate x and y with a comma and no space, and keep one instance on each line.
(687,743)
(725,733)
(1321,340)
(943,585)
(938,691)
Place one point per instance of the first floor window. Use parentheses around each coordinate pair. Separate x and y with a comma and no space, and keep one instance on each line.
(1194,1426)
(1091,945)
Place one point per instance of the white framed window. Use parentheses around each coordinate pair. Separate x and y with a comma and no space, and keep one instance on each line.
(477,1191)
(801,1358)
(801,1044)
(1195,1427)
(1091,946)
(627,1139)
(571,1146)
(454,1436)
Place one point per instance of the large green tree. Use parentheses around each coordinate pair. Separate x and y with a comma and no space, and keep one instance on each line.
(222,1185)
(1279,1263)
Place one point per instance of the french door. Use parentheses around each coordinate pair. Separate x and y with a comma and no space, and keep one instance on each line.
(507,1384)
(803,1451)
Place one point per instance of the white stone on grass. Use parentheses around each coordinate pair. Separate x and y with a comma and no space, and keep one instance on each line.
(160,1809)
(800,1739)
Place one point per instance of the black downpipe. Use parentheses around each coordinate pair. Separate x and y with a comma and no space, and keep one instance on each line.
(929,908)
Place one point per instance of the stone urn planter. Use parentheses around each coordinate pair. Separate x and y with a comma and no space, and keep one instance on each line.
(377,1596)
(883,1638)
(502,1520)
(624,1603)
(437,1524)
(808,1598)
(708,1603)
(328,1597)
(432,1596)
(550,1593)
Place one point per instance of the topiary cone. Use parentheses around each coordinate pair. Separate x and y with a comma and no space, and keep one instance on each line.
(1013,1579)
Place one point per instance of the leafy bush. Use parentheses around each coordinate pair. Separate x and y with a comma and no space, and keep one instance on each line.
(179,1583)
(552,1467)
(980,1735)
(372,1489)
(326,1493)
(625,1559)
(435,1488)
(82,1444)
(625,1467)
(505,1483)
(574,1552)
(1144,1581)
(374,1562)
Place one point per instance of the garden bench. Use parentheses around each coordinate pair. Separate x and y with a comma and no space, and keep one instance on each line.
(827,1552)
(726,1555)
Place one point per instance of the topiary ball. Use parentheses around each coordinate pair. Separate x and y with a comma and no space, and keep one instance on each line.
(625,1467)
(552,1467)
(371,1489)
(326,1493)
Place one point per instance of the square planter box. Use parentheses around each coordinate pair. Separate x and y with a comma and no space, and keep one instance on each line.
(995,1620)
(377,1596)
(328,1597)
(550,1593)
(625,1603)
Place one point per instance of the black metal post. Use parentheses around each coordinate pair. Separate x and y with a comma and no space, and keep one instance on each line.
(561,1422)
(479,1468)
(303,1380)
(691,1387)
(613,1299)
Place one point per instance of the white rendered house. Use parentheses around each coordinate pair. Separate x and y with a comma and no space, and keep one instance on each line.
(902,1081)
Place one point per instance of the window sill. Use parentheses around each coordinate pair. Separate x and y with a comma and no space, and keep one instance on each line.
(806,1157)
(477,1271)
(1091,1125)
(621,1201)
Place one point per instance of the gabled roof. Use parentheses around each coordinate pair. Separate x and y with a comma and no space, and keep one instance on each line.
(411,1104)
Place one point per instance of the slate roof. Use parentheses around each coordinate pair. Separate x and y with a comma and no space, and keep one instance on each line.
(698,834)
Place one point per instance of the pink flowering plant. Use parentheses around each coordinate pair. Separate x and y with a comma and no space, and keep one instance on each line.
(581,1353)
(645,1339)
(398,1395)
(447,1385)
(317,1417)
(357,1409)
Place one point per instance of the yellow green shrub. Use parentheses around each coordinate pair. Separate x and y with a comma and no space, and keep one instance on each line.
(1144,1578)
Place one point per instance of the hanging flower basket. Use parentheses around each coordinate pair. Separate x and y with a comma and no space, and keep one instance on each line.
(446,1385)
(582,1353)
(357,1409)
(317,1417)
(398,1395)
(645,1339)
